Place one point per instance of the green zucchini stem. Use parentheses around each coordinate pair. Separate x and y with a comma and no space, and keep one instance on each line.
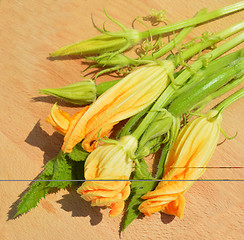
(162,101)
(231,99)
(205,44)
(194,21)
(231,85)
(174,42)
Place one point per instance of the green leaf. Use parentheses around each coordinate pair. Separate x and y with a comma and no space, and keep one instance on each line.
(56,169)
(37,191)
(48,169)
(78,153)
(62,170)
(138,189)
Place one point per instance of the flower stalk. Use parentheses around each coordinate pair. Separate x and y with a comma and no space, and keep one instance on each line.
(120,41)
(231,99)
(196,20)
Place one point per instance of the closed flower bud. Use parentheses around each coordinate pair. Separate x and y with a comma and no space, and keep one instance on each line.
(106,42)
(159,126)
(80,93)
(110,161)
(109,59)
(186,160)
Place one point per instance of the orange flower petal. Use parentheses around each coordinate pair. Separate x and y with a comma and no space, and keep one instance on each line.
(176,207)
(90,140)
(149,208)
(106,193)
(59,119)
(116,208)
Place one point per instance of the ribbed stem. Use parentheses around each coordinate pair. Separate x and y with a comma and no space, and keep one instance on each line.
(181,79)
(205,44)
(196,20)
(221,91)
(176,40)
(202,89)
(228,101)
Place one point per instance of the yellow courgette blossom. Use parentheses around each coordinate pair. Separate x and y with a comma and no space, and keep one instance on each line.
(128,97)
(111,160)
(192,150)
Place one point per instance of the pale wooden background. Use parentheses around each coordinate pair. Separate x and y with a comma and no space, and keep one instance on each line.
(29,30)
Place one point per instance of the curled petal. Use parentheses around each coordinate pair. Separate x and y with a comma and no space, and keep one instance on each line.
(148,208)
(173,205)
(176,207)
(59,119)
(116,208)
(106,193)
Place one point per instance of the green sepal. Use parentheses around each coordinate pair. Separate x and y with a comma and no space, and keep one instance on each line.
(105,42)
(104,86)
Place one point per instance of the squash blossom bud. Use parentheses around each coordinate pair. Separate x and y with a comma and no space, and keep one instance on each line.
(106,42)
(112,160)
(80,93)
(192,150)
(108,59)
(159,126)
(126,98)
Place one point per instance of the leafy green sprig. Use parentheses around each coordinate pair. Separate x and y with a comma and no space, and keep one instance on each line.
(58,173)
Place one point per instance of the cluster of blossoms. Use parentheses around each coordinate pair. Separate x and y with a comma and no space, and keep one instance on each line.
(109,165)
(111,160)
(156,99)
(188,150)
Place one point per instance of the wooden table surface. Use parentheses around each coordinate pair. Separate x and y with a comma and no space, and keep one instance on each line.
(29,31)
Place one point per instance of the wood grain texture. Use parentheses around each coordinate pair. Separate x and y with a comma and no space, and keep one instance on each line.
(29,30)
